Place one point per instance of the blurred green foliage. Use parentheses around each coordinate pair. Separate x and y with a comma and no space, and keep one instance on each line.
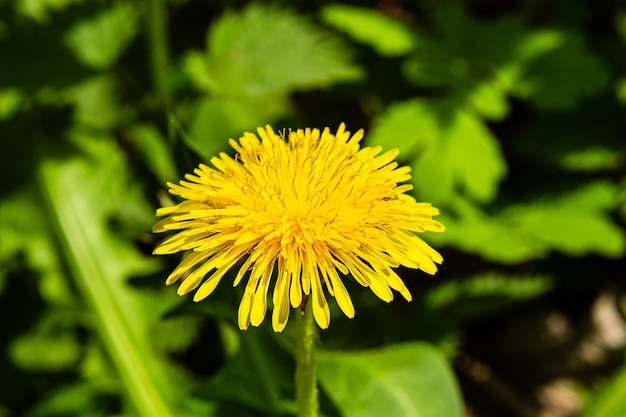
(511,117)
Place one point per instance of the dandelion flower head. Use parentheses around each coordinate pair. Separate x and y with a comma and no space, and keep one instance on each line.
(297,213)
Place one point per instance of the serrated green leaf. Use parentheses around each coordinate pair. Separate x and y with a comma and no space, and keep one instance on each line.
(98,42)
(387,36)
(409,126)
(101,263)
(410,380)
(450,148)
(218,119)
(576,223)
(552,79)
(265,50)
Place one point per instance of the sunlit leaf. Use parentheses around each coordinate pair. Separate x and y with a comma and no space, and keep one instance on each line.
(412,380)
(99,42)
(265,50)
(450,149)
(218,119)
(575,223)
(101,263)
(387,36)
(611,399)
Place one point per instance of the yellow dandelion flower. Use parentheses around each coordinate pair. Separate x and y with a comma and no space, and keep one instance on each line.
(300,213)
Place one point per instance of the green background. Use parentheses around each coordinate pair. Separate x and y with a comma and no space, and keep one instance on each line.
(512,116)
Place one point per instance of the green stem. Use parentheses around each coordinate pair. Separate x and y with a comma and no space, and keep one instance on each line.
(159,51)
(306,383)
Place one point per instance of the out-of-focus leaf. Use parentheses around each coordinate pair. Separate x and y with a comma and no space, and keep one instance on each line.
(387,36)
(96,103)
(24,230)
(455,150)
(69,400)
(620,90)
(575,223)
(412,379)
(218,119)
(611,400)
(39,48)
(99,42)
(101,263)
(553,79)
(458,57)
(595,158)
(489,99)
(485,294)
(259,367)
(40,10)
(265,50)
(52,346)
(10,100)
(152,148)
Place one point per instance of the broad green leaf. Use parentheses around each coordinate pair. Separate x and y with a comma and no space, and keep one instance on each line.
(218,119)
(387,36)
(409,126)
(611,400)
(455,150)
(576,223)
(265,50)
(484,294)
(101,263)
(97,104)
(410,380)
(552,80)
(98,42)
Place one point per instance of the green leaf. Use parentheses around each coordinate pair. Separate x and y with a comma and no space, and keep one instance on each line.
(101,263)
(218,119)
(611,400)
(451,149)
(40,10)
(260,368)
(153,150)
(98,42)
(410,380)
(576,223)
(552,79)
(387,36)
(483,294)
(265,50)
(52,345)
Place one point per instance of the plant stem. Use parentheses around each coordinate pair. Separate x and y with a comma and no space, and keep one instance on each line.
(306,382)
(159,51)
